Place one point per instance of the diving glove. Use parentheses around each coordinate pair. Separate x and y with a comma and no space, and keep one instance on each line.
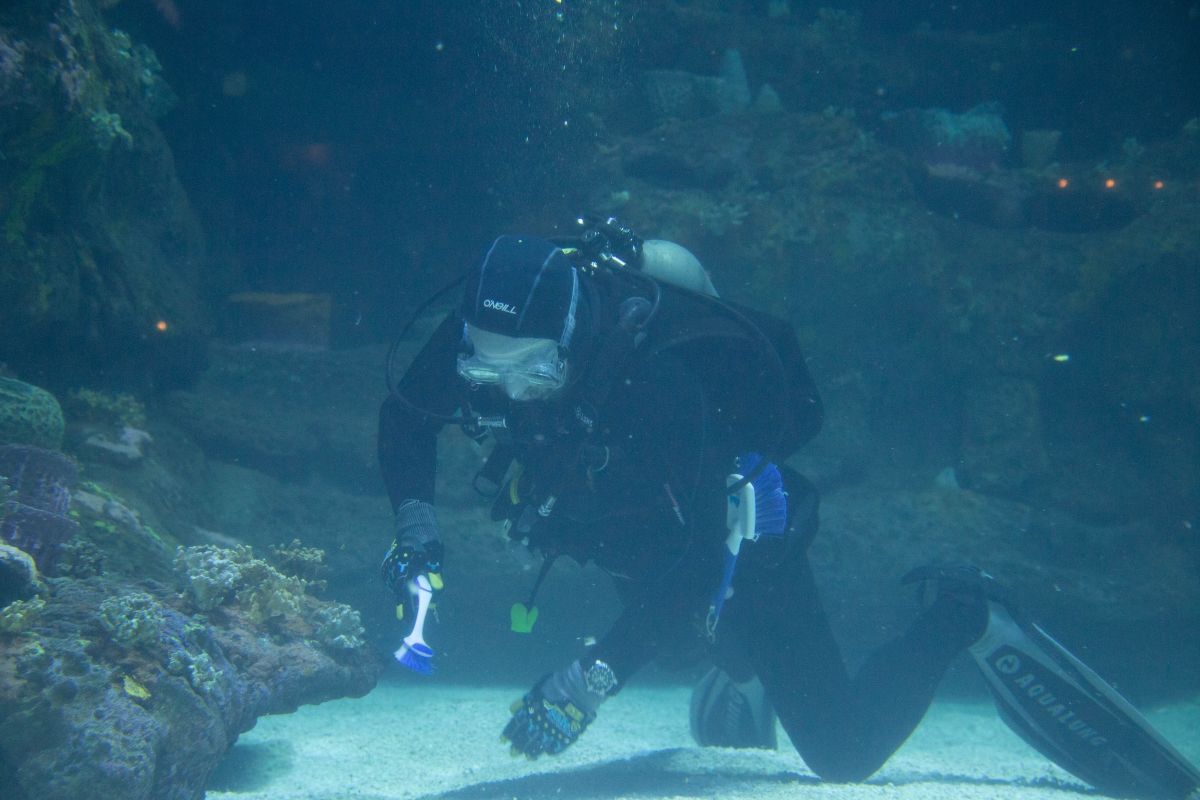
(552,715)
(416,550)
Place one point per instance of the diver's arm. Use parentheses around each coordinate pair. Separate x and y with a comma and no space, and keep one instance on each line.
(408,438)
(407,446)
(658,616)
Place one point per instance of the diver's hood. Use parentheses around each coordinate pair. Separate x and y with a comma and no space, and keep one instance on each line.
(525,287)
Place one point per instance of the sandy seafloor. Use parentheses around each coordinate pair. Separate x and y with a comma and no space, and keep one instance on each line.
(421,739)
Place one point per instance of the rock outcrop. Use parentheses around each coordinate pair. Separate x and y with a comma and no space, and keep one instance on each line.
(137,690)
(97,241)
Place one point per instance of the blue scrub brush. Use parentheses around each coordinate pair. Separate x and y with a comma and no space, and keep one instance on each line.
(414,653)
(755,508)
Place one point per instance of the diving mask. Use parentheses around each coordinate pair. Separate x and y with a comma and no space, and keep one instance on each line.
(526,369)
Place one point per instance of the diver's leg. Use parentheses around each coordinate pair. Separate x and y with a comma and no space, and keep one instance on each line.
(843,729)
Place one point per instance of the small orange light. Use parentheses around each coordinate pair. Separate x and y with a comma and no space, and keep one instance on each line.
(1063,183)
(1158,184)
(161,325)
(1110,184)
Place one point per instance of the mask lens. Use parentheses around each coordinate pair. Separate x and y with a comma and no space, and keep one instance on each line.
(475,371)
(519,364)
(547,377)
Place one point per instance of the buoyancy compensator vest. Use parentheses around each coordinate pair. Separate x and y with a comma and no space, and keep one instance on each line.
(750,365)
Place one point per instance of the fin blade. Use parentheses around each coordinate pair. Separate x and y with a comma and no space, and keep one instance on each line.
(1072,716)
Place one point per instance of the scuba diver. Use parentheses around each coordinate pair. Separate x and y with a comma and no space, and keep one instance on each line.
(641,422)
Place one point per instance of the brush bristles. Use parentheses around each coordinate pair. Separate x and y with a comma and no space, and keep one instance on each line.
(770,502)
(410,658)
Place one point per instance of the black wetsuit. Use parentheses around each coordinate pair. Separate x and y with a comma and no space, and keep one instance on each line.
(644,500)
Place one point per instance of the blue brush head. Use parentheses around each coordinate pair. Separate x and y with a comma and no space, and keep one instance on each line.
(418,658)
(770,500)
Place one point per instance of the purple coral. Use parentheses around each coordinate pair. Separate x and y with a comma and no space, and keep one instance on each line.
(33,515)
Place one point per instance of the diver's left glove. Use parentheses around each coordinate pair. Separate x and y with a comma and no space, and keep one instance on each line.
(558,709)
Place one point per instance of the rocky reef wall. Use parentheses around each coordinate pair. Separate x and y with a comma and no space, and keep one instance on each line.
(102,260)
(131,662)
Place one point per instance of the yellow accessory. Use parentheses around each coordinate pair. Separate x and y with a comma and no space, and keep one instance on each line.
(135,689)
(514,489)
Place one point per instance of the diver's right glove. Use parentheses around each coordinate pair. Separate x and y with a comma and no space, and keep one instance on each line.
(558,709)
(416,550)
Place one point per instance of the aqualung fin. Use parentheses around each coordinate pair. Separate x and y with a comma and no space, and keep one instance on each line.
(1072,716)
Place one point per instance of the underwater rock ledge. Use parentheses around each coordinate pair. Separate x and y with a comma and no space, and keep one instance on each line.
(112,689)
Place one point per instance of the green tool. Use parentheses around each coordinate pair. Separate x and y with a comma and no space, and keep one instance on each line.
(522,616)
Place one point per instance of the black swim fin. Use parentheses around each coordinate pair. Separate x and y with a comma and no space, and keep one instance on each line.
(1072,716)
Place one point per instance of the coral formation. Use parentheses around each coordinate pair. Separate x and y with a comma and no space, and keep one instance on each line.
(79,558)
(197,667)
(339,627)
(266,594)
(115,409)
(34,515)
(17,616)
(29,415)
(209,573)
(140,701)
(216,575)
(38,477)
(132,619)
(303,562)
(107,426)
